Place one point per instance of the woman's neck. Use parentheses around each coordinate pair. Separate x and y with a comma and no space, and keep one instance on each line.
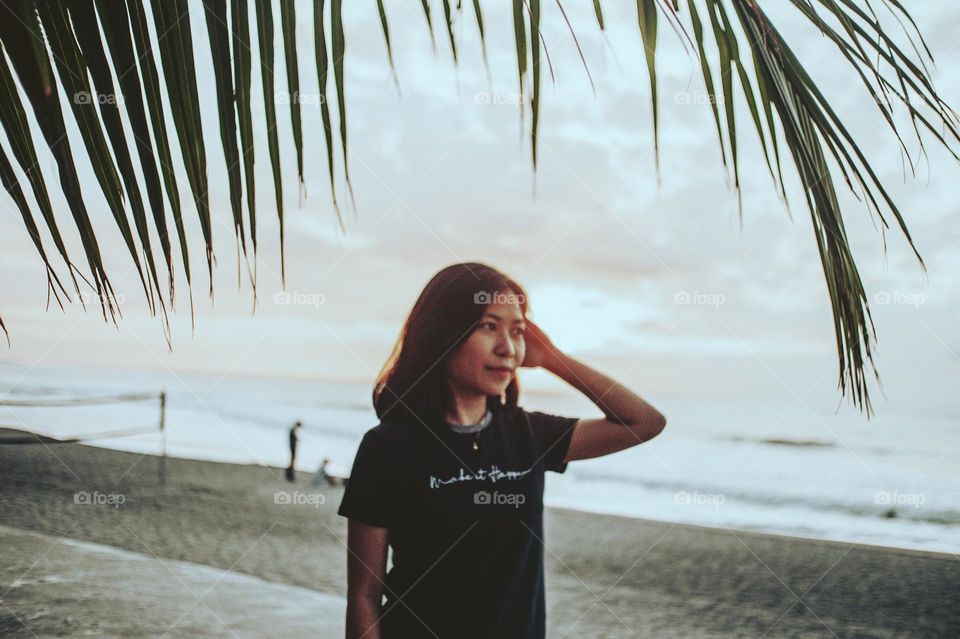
(467,410)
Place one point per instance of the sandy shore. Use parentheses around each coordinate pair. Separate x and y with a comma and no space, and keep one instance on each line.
(61,587)
(606,576)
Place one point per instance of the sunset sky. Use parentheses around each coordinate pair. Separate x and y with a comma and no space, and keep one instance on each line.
(442,174)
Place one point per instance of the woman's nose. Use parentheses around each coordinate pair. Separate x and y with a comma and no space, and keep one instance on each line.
(505,347)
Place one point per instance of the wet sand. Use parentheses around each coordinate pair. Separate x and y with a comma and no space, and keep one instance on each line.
(606,576)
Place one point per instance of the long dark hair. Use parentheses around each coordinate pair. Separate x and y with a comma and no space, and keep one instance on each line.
(412,386)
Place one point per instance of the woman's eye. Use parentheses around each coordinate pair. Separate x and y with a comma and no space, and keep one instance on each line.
(493,326)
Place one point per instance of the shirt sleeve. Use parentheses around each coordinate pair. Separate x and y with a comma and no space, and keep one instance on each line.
(553,433)
(367,497)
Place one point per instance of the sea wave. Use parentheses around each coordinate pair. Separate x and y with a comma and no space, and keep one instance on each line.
(881,504)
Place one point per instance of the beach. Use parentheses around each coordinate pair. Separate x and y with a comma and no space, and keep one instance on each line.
(606,576)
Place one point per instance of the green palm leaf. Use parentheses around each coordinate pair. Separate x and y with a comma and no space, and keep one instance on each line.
(740,54)
(14,121)
(386,37)
(426,13)
(265,42)
(144,58)
(18,29)
(448,17)
(87,33)
(534,9)
(323,70)
(172,21)
(339,49)
(116,31)
(215,12)
(240,39)
(647,19)
(288,25)
(10,183)
(520,38)
(478,12)
(73,75)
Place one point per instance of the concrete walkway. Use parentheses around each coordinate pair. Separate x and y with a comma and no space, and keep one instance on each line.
(58,587)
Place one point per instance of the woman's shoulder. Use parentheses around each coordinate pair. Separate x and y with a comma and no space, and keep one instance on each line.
(390,431)
(537,419)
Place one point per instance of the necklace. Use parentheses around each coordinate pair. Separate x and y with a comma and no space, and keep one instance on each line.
(477,428)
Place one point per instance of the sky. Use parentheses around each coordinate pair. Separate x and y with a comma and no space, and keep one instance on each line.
(608,249)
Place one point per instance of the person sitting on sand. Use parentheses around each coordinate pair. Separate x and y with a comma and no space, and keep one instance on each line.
(452,477)
(323,476)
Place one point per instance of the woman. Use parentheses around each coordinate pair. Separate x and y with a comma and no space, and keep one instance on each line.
(452,477)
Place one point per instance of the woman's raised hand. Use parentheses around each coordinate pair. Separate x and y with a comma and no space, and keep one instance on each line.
(540,350)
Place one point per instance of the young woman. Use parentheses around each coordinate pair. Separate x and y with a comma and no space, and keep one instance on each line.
(452,477)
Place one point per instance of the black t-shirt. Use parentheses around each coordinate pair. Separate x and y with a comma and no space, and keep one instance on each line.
(466,525)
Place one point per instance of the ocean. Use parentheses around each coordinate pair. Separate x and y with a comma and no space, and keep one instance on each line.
(728,464)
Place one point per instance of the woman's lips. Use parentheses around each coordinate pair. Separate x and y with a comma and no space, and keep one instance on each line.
(502,372)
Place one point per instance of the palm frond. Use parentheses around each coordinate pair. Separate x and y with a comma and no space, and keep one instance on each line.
(520,38)
(143,58)
(288,27)
(86,29)
(426,14)
(240,41)
(73,77)
(534,11)
(323,71)
(338,44)
(647,20)
(386,37)
(598,10)
(447,14)
(478,12)
(175,43)
(10,183)
(215,12)
(266,45)
(116,32)
(740,54)
(14,121)
(19,28)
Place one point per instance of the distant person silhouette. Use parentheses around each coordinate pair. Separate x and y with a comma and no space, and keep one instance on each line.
(293,450)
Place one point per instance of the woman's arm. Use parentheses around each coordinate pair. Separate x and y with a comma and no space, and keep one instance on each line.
(366,567)
(629,419)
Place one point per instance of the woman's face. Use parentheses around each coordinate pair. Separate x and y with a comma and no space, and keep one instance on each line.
(486,362)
